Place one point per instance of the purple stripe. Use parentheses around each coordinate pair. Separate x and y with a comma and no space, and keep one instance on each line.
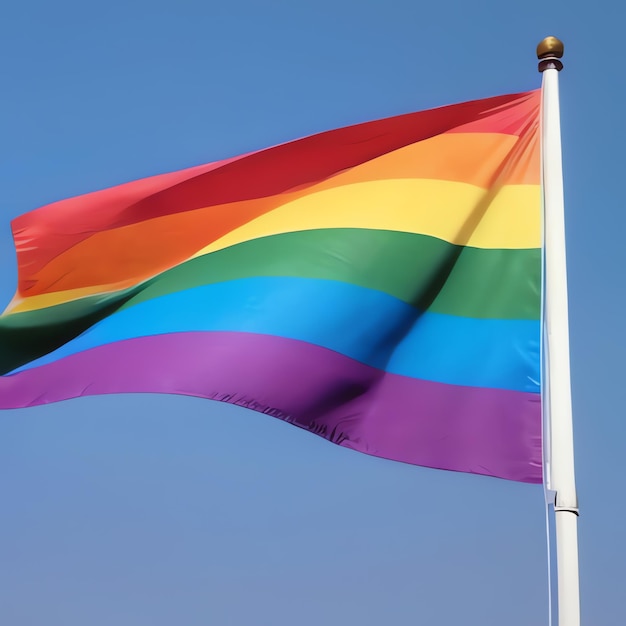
(469,429)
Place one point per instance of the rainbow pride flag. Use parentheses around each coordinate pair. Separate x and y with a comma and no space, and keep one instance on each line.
(378,285)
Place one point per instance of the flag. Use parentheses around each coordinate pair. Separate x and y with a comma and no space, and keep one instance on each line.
(378,285)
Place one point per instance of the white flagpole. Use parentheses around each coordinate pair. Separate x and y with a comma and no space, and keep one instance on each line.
(557,402)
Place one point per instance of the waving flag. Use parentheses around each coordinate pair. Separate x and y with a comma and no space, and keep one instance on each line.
(378,285)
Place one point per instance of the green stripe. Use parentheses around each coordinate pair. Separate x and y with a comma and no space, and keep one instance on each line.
(29,335)
(423,271)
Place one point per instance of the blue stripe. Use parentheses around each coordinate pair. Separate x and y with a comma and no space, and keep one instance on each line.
(369,326)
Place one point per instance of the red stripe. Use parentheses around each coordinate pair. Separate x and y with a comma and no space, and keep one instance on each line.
(58,226)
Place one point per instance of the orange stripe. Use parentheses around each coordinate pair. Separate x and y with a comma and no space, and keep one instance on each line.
(130,254)
(126,255)
(465,158)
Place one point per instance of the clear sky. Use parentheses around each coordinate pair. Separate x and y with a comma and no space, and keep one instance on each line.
(158,510)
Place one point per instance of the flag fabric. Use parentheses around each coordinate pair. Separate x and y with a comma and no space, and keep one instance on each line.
(378,285)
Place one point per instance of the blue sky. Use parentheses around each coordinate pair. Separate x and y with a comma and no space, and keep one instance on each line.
(156,510)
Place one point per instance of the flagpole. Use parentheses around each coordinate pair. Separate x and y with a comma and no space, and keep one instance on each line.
(558,403)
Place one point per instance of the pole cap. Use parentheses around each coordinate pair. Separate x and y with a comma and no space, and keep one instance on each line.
(550,47)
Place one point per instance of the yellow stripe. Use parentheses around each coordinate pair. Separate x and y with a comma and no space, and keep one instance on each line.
(41,301)
(455,212)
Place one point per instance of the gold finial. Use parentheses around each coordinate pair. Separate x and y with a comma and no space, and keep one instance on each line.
(550,47)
